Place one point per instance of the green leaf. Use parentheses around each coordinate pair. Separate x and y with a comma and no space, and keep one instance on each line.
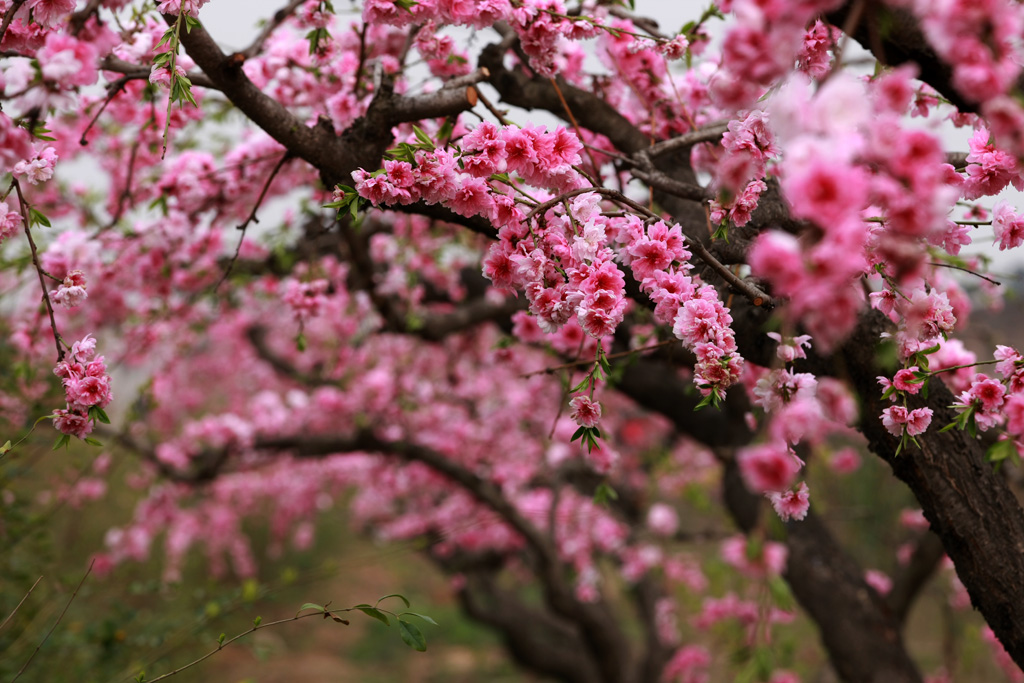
(395,595)
(604,494)
(223,637)
(98,414)
(411,636)
(374,613)
(62,441)
(1000,451)
(579,432)
(36,218)
(93,442)
(6,447)
(257,621)
(424,617)
(422,137)
(311,605)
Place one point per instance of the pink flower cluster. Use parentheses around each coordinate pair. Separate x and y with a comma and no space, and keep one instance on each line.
(899,421)
(747,146)
(540,158)
(71,292)
(1008,226)
(305,298)
(543,26)
(925,319)
(86,385)
(979,39)
(39,168)
(9,221)
(763,46)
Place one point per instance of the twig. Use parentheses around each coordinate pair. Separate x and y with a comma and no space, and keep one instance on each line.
(39,269)
(362,61)
(852,19)
(113,90)
(11,615)
(78,19)
(9,17)
(502,119)
(576,126)
(961,367)
(750,291)
(709,134)
(126,192)
(63,612)
(966,270)
(656,179)
(138,72)
(591,361)
(280,16)
(252,217)
(221,646)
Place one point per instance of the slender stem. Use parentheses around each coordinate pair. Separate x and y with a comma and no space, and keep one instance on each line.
(961,367)
(576,126)
(112,91)
(612,356)
(966,270)
(172,69)
(252,216)
(9,17)
(62,613)
(279,18)
(11,615)
(494,110)
(39,269)
(709,134)
(221,646)
(362,61)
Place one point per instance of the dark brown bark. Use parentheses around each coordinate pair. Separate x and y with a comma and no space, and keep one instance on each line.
(970,507)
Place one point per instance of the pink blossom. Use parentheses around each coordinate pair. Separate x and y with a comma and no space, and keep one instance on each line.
(791,504)
(190,7)
(68,61)
(845,461)
(39,168)
(768,468)
(88,391)
(791,348)
(49,12)
(770,562)
(9,221)
(825,191)
(84,349)
(585,412)
(72,292)
(688,665)
(878,580)
(662,519)
(987,394)
(918,421)
(72,422)
(1008,226)
(893,419)
(904,380)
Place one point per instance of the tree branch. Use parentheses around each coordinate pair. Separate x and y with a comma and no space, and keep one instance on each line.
(596,623)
